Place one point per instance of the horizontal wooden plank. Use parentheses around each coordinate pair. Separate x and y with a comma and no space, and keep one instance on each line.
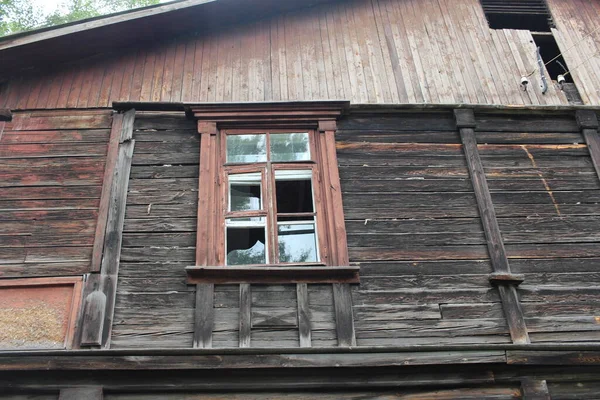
(56,136)
(422,296)
(49,193)
(431,328)
(40,269)
(436,267)
(163,172)
(31,255)
(10,151)
(416,253)
(47,120)
(163,225)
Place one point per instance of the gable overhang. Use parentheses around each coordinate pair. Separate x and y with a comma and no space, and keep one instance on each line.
(48,47)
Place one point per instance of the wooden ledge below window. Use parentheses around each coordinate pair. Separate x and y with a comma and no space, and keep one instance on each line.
(271,274)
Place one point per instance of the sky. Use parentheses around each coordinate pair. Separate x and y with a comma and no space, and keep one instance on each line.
(48,6)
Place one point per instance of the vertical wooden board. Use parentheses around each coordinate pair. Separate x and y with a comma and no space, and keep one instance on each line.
(294,60)
(204,316)
(117,70)
(157,74)
(363,85)
(337,42)
(510,68)
(344,319)
(326,62)
(304,315)
(205,69)
(535,389)
(128,73)
(197,73)
(267,61)
(383,52)
(42,98)
(236,67)
(167,78)
(34,91)
(275,55)
(335,87)
(95,87)
(406,19)
(105,84)
(188,70)
(399,51)
(212,73)
(147,75)
(138,75)
(176,86)
(228,51)
(245,315)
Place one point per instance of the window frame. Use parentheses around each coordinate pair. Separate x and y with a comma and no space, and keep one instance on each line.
(268,169)
(215,123)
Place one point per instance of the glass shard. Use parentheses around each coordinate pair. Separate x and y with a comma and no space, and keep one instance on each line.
(297,243)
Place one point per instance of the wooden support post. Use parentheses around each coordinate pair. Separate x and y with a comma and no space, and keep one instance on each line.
(205,246)
(87,393)
(502,276)
(95,317)
(245,314)
(535,389)
(304,324)
(342,299)
(204,315)
(588,123)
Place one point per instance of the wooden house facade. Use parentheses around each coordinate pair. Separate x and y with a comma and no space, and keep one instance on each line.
(234,199)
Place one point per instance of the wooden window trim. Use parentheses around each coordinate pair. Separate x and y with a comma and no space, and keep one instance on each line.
(215,121)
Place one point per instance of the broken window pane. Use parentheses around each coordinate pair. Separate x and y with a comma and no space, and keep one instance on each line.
(245,192)
(293,191)
(297,243)
(246,242)
(246,148)
(290,147)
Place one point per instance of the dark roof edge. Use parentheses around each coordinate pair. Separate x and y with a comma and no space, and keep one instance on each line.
(45,33)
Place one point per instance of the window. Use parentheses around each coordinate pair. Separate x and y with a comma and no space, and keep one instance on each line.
(270,206)
(269,203)
(530,15)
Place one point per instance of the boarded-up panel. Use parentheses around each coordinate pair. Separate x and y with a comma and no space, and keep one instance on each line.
(38,313)
(51,172)
(366,51)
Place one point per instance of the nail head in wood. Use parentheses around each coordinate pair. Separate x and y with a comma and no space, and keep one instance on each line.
(465,118)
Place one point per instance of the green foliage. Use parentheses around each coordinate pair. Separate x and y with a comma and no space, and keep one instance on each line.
(20,15)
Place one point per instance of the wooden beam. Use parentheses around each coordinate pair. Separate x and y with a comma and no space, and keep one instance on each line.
(245,314)
(94,316)
(204,315)
(588,123)
(535,389)
(271,274)
(304,324)
(465,121)
(5,115)
(79,393)
(344,320)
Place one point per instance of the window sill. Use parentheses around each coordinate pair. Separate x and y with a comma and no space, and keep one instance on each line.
(267,274)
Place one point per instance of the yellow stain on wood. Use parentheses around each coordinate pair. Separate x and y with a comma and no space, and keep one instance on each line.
(544,182)
(31,326)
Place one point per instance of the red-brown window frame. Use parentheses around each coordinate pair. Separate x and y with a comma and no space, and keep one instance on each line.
(215,121)
(268,183)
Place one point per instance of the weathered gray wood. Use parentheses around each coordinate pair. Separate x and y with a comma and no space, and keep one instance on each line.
(245,315)
(465,121)
(80,393)
(588,123)
(344,319)
(93,319)
(204,315)
(535,389)
(304,317)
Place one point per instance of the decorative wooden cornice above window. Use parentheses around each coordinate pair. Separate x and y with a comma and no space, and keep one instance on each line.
(270,204)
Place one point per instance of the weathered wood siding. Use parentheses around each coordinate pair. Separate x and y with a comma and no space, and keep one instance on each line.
(413,227)
(547,199)
(154,305)
(578,38)
(366,51)
(51,172)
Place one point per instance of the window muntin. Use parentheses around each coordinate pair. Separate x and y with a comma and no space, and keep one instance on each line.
(271,214)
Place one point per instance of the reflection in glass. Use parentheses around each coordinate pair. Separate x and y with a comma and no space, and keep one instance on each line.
(297,243)
(246,148)
(246,242)
(244,192)
(290,147)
